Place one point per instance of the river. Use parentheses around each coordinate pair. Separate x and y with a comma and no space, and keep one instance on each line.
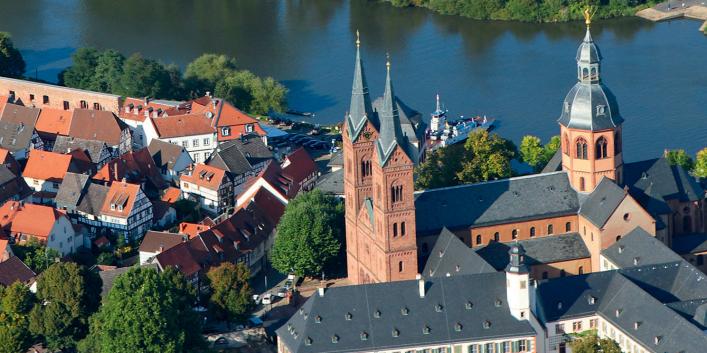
(516,72)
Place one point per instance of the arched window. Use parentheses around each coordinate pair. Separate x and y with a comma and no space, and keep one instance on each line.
(618,237)
(568,227)
(581,148)
(395,230)
(602,148)
(478,239)
(396,193)
(402,229)
(549,229)
(366,169)
(594,73)
(585,73)
(400,266)
(496,237)
(532,231)
(581,270)
(514,234)
(566,145)
(581,184)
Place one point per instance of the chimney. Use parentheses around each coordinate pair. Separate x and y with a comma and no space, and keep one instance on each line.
(321,291)
(161,249)
(115,171)
(147,100)
(420,285)
(208,93)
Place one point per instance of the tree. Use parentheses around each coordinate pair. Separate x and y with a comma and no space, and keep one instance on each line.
(591,343)
(144,312)
(237,89)
(70,294)
(144,77)
(82,70)
(36,256)
(230,291)
(551,147)
(679,158)
(309,234)
(440,168)
(488,157)
(268,95)
(106,258)
(107,72)
(15,303)
(531,151)
(700,168)
(206,71)
(11,62)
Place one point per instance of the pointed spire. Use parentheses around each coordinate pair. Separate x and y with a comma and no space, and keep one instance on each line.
(391,134)
(361,108)
(439,108)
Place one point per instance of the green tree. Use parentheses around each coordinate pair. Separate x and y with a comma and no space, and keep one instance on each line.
(700,169)
(268,95)
(488,157)
(143,312)
(11,62)
(237,88)
(551,147)
(107,72)
(206,71)
(230,291)
(679,158)
(15,303)
(309,234)
(440,168)
(36,256)
(70,295)
(106,258)
(531,151)
(144,77)
(82,70)
(591,343)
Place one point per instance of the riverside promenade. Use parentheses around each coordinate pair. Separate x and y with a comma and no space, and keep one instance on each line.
(694,9)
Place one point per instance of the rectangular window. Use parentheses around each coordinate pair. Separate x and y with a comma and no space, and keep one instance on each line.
(593,323)
(577,326)
(45,99)
(185,144)
(195,143)
(66,105)
(522,345)
(249,128)
(207,141)
(226,131)
(206,156)
(196,158)
(12,93)
(96,106)
(559,328)
(31,97)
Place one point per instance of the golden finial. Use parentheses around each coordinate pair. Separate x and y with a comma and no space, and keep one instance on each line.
(387,61)
(589,12)
(358,39)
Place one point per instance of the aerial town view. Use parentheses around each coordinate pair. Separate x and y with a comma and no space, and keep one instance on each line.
(393,176)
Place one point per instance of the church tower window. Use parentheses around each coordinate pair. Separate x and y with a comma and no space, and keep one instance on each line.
(549,229)
(581,146)
(566,145)
(402,229)
(396,193)
(602,148)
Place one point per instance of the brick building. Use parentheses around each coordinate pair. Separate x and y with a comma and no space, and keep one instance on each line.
(43,95)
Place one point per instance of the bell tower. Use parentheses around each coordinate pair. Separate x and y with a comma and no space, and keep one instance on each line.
(395,243)
(590,123)
(358,138)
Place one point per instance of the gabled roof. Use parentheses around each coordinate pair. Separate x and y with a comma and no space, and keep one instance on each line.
(27,218)
(18,114)
(240,155)
(14,270)
(228,115)
(495,202)
(165,154)
(101,125)
(54,121)
(539,250)
(453,309)
(8,160)
(601,203)
(71,190)
(193,229)
(93,199)
(182,125)
(639,248)
(159,241)
(171,195)
(12,186)
(92,148)
(43,165)
(450,256)
(653,182)
(120,199)
(182,256)
(14,136)
(135,166)
(206,176)
(298,165)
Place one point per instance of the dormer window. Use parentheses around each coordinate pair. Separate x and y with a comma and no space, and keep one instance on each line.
(226,131)
(601,109)
(249,128)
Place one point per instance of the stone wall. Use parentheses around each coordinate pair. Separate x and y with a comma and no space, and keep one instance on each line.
(42,95)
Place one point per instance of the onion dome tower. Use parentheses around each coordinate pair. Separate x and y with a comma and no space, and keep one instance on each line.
(590,123)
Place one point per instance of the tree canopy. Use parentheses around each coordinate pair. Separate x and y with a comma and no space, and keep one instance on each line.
(11,62)
(35,255)
(230,291)
(145,311)
(679,158)
(700,169)
(440,167)
(70,295)
(309,234)
(15,304)
(591,343)
(533,152)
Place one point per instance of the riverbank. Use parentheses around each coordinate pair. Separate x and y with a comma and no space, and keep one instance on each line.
(665,11)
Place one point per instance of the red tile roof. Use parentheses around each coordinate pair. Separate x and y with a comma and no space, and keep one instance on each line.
(182,125)
(192,229)
(30,219)
(44,165)
(120,199)
(230,116)
(135,166)
(205,176)
(101,125)
(183,256)
(298,166)
(54,121)
(171,195)
(137,109)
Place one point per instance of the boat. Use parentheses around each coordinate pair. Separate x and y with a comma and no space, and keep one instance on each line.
(300,113)
(444,132)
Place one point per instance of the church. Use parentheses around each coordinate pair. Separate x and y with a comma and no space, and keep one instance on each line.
(586,192)
(519,265)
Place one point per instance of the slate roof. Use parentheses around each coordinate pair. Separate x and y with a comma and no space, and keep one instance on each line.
(331,183)
(690,243)
(639,247)
(240,155)
(495,202)
(92,201)
(654,181)
(15,137)
(336,160)
(13,270)
(464,302)
(71,189)
(450,256)
(165,154)
(93,148)
(12,185)
(554,164)
(601,203)
(540,250)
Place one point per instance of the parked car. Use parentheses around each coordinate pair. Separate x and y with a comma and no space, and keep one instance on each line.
(267,299)
(282,292)
(257,299)
(288,284)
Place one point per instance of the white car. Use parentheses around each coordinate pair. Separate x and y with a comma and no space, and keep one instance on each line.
(267,299)
(256,299)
